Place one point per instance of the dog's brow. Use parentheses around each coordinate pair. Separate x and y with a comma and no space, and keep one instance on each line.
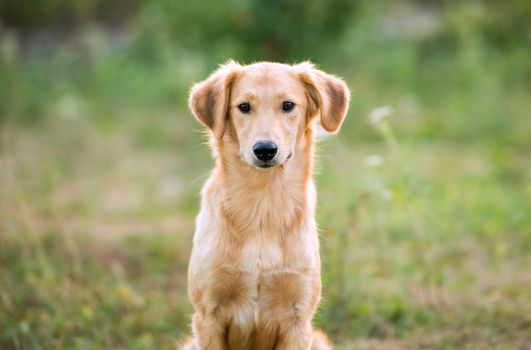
(249,95)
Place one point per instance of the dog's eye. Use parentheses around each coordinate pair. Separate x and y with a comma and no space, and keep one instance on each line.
(287,106)
(244,107)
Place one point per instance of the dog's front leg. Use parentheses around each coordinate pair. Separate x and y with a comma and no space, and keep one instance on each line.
(295,337)
(210,334)
(287,305)
(225,307)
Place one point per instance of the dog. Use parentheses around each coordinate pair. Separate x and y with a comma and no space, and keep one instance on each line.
(254,274)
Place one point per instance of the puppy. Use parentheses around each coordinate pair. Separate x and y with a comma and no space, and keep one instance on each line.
(254,274)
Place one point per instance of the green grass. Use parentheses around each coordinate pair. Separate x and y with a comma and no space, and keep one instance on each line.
(428,249)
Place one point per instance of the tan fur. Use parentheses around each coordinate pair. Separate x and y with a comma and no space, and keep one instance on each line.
(254,274)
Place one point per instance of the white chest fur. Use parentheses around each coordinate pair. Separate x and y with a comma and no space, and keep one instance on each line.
(261,255)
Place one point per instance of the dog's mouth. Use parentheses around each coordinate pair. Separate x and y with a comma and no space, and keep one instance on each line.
(266,165)
(271,163)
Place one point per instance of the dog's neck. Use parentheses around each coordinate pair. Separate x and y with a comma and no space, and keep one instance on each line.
(267,201)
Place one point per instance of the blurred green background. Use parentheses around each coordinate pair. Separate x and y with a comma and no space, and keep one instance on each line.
(425,194)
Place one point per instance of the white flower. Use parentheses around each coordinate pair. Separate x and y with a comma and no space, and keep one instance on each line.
(70,107)
(387,194)
(380,113)
(374,160)
(24,327)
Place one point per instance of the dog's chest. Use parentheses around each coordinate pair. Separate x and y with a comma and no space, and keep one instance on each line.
(262,255)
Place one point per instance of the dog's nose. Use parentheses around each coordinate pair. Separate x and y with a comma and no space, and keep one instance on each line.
(265,150)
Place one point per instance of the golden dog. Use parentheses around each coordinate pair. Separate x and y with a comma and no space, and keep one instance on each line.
(254,275)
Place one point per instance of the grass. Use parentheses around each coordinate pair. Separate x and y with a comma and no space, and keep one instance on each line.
(427,248)
(90,264)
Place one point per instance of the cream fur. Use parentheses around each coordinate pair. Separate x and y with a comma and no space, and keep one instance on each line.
(254,273)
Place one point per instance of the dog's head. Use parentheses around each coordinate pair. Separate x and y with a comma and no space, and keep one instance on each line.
(266,107)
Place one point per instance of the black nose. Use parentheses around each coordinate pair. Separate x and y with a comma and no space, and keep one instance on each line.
(265,150)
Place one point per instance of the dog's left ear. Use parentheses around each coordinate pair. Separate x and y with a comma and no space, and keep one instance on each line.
(328,95)
(209,99)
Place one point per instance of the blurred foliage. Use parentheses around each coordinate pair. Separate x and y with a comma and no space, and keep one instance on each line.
(451,62)
(63,14)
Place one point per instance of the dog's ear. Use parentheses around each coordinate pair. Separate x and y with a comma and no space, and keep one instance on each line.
(209,99)
(327,95)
